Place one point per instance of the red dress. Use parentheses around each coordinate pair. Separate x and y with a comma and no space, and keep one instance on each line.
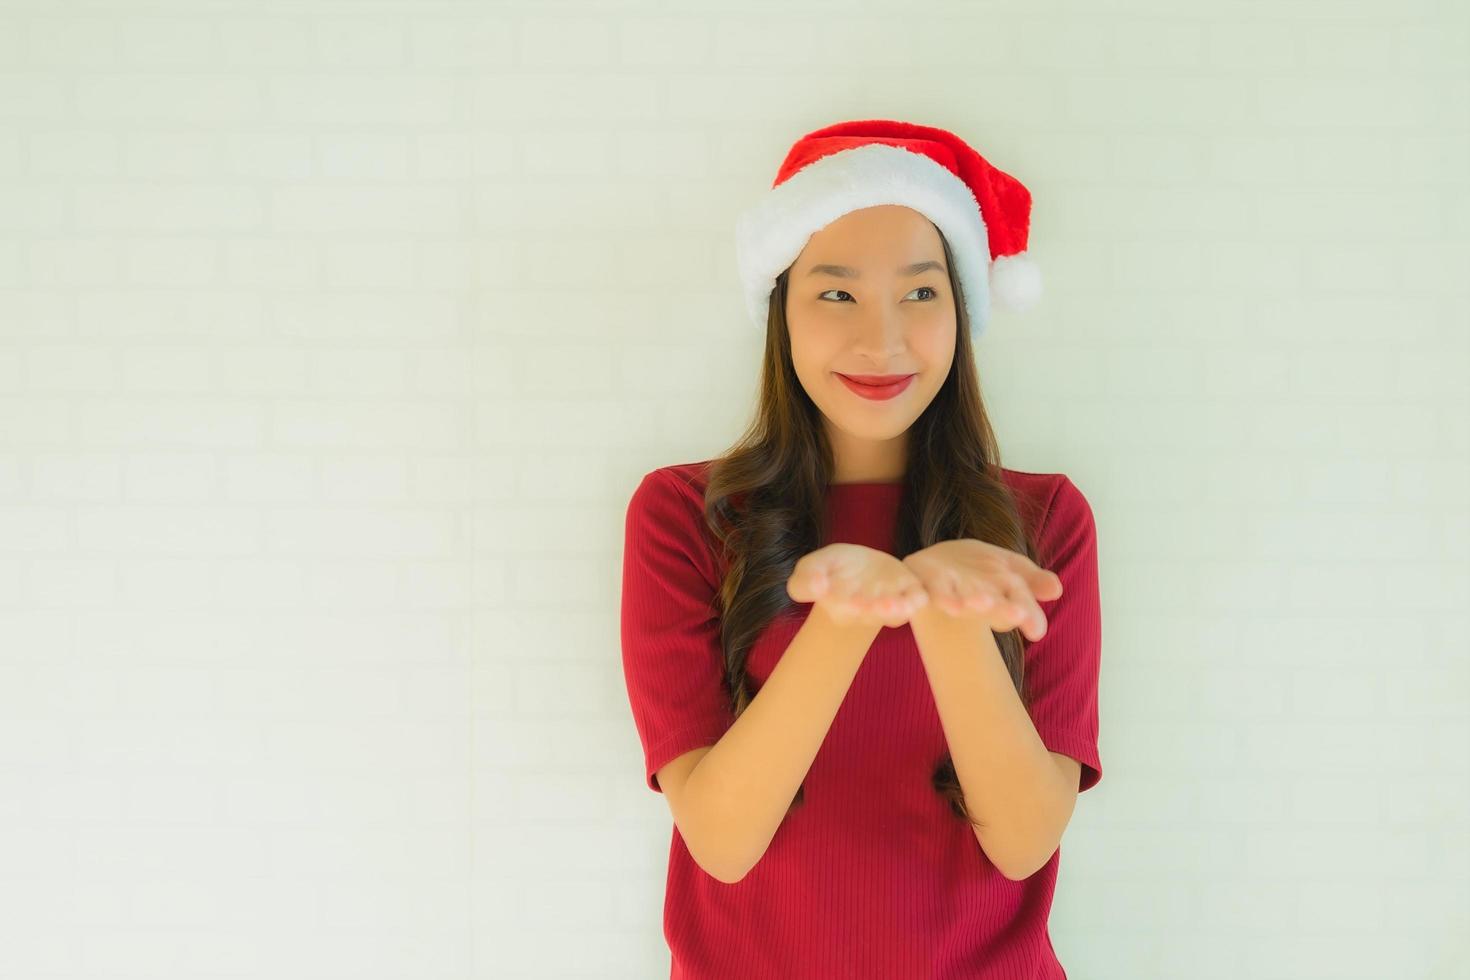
(872,876)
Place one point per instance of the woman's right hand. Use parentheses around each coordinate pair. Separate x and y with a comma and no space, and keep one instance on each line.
(855,584)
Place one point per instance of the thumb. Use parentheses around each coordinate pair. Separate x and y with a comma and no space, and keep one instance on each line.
(808,585)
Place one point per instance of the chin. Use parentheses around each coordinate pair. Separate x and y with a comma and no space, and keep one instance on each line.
(893,426)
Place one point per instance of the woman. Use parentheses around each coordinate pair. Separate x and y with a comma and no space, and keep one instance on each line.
(862,657)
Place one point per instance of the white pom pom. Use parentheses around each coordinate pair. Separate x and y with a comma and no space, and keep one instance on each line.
(1015,282)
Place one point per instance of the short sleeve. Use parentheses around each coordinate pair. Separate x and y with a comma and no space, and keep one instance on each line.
(1062,667)
(672,658)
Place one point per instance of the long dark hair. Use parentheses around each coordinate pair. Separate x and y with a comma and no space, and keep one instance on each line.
(778,472)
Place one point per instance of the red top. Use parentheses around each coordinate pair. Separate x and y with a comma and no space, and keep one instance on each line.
(873,876)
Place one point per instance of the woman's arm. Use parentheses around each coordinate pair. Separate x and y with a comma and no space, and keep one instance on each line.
(740,790)
(1014,787)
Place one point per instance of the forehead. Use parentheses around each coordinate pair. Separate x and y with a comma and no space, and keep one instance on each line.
(885,235)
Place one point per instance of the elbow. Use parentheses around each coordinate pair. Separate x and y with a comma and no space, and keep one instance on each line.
(725,872)
(723,868)
(706,845)
(726,878)
(717,868)
(1014,874)
(718,845)
(1013,864)
(1026,868)
(706,840)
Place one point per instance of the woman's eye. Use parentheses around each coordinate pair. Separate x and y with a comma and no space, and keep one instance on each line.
(844,292)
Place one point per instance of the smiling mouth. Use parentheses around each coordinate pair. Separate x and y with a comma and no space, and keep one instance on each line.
(876,379)
(889,386)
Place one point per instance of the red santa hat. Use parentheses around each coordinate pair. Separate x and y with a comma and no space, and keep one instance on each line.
(983,213)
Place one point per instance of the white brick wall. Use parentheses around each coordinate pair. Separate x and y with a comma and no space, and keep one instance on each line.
(334,338)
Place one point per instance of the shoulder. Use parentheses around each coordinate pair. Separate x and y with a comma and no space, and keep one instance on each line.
(691,479)
(1052,503)
(677,485)
(667,508)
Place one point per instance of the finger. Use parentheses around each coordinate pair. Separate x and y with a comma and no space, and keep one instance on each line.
(970,590)
(911,592)
(892,606)
(897,609)
(861,599)
(909,597)
(1018,588)
(914,598)
(983,598)
(807,585)
(834,591)
(993,594)
(1045,585)
(956,598)
(799,589)
(815,581)
(880,603)
(818,583)
(1027,613)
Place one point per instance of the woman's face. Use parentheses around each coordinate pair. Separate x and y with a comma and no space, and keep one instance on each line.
(879,318)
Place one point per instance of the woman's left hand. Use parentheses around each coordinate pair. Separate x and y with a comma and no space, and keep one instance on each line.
(967,577)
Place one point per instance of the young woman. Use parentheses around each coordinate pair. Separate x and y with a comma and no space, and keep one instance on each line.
(861,655)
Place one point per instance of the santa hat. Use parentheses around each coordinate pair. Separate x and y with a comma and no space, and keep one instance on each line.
(984,213)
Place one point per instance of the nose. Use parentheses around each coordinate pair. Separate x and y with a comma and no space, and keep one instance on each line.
(882,335)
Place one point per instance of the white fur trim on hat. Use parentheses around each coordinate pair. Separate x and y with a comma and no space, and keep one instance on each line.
(770,234)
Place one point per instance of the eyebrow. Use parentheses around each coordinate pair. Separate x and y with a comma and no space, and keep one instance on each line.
(848,272)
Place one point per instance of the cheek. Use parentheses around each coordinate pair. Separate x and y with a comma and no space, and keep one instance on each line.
(811,355)
(934,346)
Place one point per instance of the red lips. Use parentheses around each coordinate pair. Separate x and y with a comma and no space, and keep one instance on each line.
(876,379)
(886,386)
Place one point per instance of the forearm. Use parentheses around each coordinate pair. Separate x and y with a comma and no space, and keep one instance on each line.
(740,791)
(1011,785)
